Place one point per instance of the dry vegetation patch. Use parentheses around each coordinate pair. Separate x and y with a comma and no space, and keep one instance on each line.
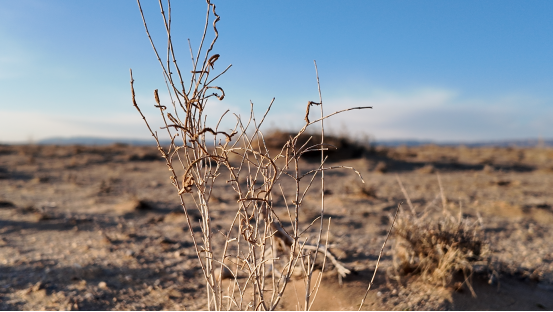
(436,249)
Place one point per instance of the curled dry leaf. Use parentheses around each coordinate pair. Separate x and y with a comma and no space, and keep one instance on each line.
(187,182)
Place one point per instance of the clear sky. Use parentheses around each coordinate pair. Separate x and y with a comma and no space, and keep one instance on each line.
(439,70)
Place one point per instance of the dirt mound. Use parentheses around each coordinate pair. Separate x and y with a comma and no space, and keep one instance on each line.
(339,148)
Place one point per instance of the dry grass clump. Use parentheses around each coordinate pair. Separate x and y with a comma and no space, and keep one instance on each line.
(438,247)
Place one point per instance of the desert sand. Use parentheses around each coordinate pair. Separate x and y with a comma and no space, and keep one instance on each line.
(101,228)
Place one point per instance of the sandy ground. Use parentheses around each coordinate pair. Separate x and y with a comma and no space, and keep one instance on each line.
(100,228)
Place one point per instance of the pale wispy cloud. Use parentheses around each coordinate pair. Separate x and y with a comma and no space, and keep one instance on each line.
(424,113)
(445,115)
(432,114)
(32,126)
(24,125)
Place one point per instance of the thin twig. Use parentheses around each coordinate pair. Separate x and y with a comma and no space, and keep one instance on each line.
(444,200)
(406,195)
(379,256)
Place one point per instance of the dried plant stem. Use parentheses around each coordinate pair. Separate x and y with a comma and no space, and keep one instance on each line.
(319,234)
(255,244)
(444,200)
(379,256)
(406,195)
(320,277)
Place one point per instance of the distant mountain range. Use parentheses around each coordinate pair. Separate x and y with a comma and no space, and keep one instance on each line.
(97,141)
(499,143)
(108,141)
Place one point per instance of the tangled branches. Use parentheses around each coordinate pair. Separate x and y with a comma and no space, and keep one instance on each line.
(259,253)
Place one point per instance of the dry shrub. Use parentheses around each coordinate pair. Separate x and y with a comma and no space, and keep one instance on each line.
(436,248)
(256,252)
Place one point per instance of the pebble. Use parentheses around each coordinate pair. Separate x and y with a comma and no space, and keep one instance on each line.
(103,285)
(36,287)
(224,275)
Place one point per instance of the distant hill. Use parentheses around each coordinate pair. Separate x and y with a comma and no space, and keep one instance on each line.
(96,141)
(498,143)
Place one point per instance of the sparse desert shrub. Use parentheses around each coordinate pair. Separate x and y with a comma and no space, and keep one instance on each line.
(437,246)
(256,253)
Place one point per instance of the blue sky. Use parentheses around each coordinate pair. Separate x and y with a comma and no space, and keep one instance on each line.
(439,70)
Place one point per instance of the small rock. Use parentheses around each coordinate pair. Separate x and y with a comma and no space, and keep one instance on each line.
(6,204)
(174,294)
(381,167)
(339,253)
(36,287)
(41,216)
(133,205)
(493,280)
(105,239)
(40,179)
(427,169)
(224,275)
(103,285)
(488,169)
(175,217)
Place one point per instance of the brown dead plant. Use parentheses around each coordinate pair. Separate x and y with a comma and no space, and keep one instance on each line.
(259,254)
(437,247)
